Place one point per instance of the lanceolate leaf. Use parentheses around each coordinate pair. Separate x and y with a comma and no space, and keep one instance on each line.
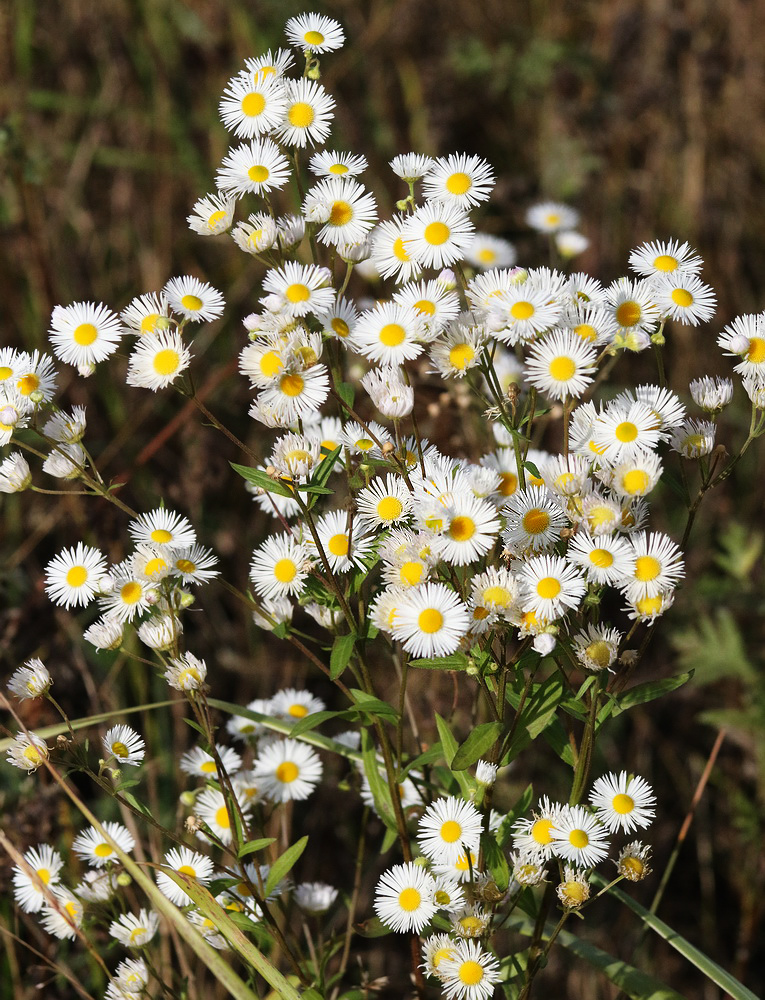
(642,693)
(449,745)
(284,864)
(342,651)
(480,741)
(258,477)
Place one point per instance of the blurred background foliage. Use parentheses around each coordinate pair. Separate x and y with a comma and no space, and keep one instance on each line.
(646,116)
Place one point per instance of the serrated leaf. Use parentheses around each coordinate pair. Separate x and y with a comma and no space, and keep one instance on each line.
(457,661)
(284,864)
(258,477)
(643,693)
(482,739)
(255,845)
(342,651)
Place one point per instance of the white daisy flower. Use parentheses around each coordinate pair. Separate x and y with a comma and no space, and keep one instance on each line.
(711,393)
(745,338)
(597,647)
(241,727)
(130,595)
(623,803)
(255,167)
(533,520)
(66,461)
(131,978)
(648,609)
(287,770)
(279,567)
(448,827)
(579,837)
(295,456)
(186,862)
(390,255)
(430,620)
(471,526)
(84,333)
(134,931)
(551,216)
(68,428)
(632,305)
(464,869)
(160,632)
(521,312)
(437,234)
(384,503)
(574,889)
(685,298)
(106,633)
(308,113)
(315,897)
(200,764)
(471,974)
(14,412)
(435,949)
(487,251)
(144,311)
(635,477)
(62,916)
(532,837)
(658,565)
(91,846)
(36,374)
(194,299)
(458,350)
(301,288)
(187,673)
(459,180)
(495,590)
(331,164)
(29,885)
(411,167)
(605,559)
(125,745)
(164,529)
(294,395)
(632,862)
(694,438)
(662,258)
(314,32)
(74,576)
(436,304)
(404,898)
(389,334)
(211,216)
(622,432)
(157,360)
(339,320)
(601,515)
(291,704)
(347,211)
(272,64)
(97,886)
(30,681)
(570,243)
(250,107)
(562,365)
(550,586)
(211,808)
(592,324)
(392,397)
(15,474)
(258,234)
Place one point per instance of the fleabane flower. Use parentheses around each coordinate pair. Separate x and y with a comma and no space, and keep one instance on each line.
(470,529)
(579,837)
(404,898)
(135,930)
(28,886)
(658,565)
(437,234)
(685,298)
(521,312)
(623,803)
(272,65)
(665,257)
(97,850)
(158,360)
(633,308)
(574,890)
(711,393)
(301,288)
(194,299)
(343,546)
(186,862)
(551,216)
(390,254)
(314,32)
(125,745)
(15,474)
(62,915)
(211,216)
(384,503)
(279,567)
(84,333)
(346,209)
(255,167)
(469,972)
(287,770)
(147,313)
(487,251)
(745,338)
(30,681)
(460,180)
(315,897)
(694,438)
(389,334)
(436,304)
(550,587)
(251,107)
(388,391)
(447,828)
(164,529)
(187,673)
(597,647)
(74,577)
(430,620)
(604,558)
(307,115)
(328,163)
(622,431)
(458,350)
(411,167)
(632,862)
(533,520)
(562,365)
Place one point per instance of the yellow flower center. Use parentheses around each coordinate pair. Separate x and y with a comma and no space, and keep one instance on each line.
(5,373)
(535,521)
(28,384)
(120,750)
(409,899)
(313,38)
(462,864)
(292,385)
(154,566)
(187,870)
(575,892)
(131,593)
(562,369)
(85,334)
(287,772)
(508,483)
(540,831)
(102,850)
(365,444)
(682,297)
(552,218)
(161,536)
(462,529)
(258,173)
(341,214)
(486,256)
(586,331)
(471,925)
(34,755)
(628,313)
(191,302)
(430,620)
(185,565)
(623,804)
(443,954)
(578,839)
(497,595)
(166,362)
(601,558)
(399,250)
(548,588)
(148,323)
(297,711)
(271,363)
(207,767)
(76,576)
(633,868)
(522,310)
(136,933)
(480,613)
(461,355)
(436,233)
(451,831)
(649,605)
(599,652)
(756,352)
(340,327)
(665,263)
(222,818)
(253,105)
(71,909)
(392,334)
(285,571)
(411,573)
(44,875)
(626,431)
(635,481)
(389,508)
(338,545)
(338,168)
(470,972)
(301,115)
(214,219)
(458,183)
(647,568)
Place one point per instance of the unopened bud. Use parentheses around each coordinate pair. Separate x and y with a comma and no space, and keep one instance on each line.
(124,880)
(186,599)
(187,799)
(163,323)
(36,397)
(387,448)
(9,416)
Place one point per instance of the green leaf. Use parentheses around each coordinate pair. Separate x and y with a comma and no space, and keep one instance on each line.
(319,491)
(373,705)
(377,785)
(284,864)
(255,845)
(346,393)
(715,648)
(327,464)
(495,861)
(642,693)
(530,467)
(556,736)
(372,928)
(457,661)
(342,651)
(309,722)
(521,806)
(537,714)
(476,745)
(728,984)
(258,477)
(140,806)
(449,745)
(432,754)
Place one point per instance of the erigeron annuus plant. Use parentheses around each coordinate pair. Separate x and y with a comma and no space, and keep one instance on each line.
(532,576)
